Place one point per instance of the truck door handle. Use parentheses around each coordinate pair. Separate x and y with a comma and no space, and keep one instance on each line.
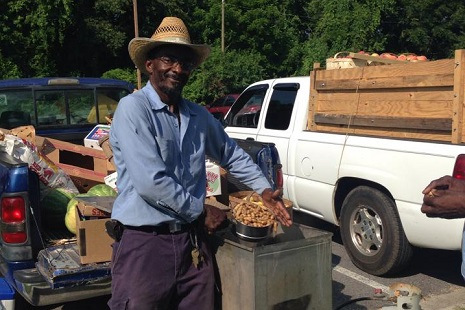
(250,139)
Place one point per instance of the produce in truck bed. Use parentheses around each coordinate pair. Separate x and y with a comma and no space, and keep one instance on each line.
(54,206)
(102,190)
(70,217)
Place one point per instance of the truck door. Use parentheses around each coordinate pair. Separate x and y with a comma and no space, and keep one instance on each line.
(277,126)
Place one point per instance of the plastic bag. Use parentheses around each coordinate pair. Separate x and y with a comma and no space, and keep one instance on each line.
(49,174)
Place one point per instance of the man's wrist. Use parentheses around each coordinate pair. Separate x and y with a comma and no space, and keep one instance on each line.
(267,193)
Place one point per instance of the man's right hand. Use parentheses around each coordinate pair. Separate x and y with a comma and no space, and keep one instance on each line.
(445,198)
(213,218)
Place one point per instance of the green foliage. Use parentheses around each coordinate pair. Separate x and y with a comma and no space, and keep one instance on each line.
(344,25)
(224,73)
(262,38)
(8,69)
(128,75)
(32,31)
(435,28)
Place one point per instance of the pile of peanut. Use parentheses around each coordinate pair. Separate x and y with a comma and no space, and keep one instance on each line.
(253,213)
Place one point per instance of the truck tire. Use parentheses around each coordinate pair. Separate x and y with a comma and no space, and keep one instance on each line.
(372,233)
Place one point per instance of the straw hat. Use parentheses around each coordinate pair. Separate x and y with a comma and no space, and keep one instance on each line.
(171,31)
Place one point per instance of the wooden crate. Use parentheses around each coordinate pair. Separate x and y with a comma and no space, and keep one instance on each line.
(422,100)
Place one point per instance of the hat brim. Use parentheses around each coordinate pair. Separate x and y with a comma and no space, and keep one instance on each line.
(139,47)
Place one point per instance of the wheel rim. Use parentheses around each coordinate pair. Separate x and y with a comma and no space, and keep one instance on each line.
(366,230)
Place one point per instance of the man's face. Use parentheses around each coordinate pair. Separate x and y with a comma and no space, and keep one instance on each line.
(170,67)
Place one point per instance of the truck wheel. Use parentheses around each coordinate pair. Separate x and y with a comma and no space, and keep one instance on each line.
(372,233)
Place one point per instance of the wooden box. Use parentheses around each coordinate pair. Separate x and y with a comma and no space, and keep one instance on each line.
(422,100)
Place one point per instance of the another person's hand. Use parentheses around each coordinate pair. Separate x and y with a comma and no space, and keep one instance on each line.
(445,198)
(272,200)
(446,182)
(213,218)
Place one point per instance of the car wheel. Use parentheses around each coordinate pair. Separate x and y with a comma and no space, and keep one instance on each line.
(372,233)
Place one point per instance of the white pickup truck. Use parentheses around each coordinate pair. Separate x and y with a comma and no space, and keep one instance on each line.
(363,169)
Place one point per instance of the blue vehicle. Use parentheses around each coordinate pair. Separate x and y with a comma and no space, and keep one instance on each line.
(62,108)
(23,235)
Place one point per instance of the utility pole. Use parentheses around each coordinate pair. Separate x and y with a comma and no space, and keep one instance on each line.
(136,34)
(222,26)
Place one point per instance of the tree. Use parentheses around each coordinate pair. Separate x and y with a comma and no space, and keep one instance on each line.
(343,25)
(435,28)
(224,73)
(264,38)
(31,34)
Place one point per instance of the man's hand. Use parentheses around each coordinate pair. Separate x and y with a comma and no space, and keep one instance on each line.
(213,218)
(446,182)
(445,198)
(272,200)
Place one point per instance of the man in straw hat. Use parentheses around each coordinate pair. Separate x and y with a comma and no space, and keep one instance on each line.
(160,256)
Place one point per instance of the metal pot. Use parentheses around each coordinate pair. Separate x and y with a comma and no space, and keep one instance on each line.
(251,233)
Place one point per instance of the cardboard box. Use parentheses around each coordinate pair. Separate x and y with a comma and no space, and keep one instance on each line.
(96,206)
(27,133)
(213,179)
(111,179)
(97,133)
(104,143)
(94,244)
(85,166)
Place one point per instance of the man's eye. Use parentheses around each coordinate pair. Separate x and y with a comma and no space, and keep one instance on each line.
(167,60)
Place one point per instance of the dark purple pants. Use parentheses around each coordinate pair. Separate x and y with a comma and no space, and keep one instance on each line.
(151,271)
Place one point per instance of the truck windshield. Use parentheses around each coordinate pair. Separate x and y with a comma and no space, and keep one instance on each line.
(58,107)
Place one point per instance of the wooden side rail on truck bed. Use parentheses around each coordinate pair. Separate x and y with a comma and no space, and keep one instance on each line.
(422,100)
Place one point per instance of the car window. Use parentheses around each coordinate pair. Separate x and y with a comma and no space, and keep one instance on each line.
(278,115)
(229,101)
(107,101)
(51,108)
(16,108)
(246,110)
(80,102)
(60,108)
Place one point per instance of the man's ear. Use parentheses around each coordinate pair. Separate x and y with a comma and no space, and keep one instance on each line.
(148,66)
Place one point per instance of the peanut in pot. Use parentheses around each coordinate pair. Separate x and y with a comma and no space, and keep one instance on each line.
(253,214)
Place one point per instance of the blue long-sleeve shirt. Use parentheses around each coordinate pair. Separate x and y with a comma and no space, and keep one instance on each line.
(161,165)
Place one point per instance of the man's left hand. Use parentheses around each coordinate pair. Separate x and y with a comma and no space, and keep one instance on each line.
(272,200)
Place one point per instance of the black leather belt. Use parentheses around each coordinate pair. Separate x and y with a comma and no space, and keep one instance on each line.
(163,229)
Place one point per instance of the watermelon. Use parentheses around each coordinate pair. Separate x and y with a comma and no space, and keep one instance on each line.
(70,216)
(54,206)
(102,190)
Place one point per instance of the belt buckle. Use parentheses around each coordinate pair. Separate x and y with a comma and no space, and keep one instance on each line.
(175,227)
